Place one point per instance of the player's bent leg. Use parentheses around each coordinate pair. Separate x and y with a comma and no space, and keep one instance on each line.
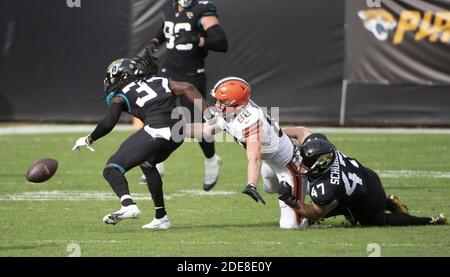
(159,167)
(132,152)
(269,179)
(113,173)
(163,149)
(289,218)
(212,170)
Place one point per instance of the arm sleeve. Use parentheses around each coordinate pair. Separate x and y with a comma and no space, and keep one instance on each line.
(160,35)
(216,39)
(109,121)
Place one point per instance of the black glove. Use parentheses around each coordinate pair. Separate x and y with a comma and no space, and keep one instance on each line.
(186,37)
(286,196)
(145,58)
(250,190)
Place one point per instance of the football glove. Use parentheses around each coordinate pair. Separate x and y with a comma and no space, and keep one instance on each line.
(186,37)
(82,142)
(145,57)
(286,196)
(250,190)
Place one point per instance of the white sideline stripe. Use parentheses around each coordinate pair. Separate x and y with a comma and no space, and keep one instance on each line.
(413,174)
(43,129)
(100,196)
(48,128)
(431,131)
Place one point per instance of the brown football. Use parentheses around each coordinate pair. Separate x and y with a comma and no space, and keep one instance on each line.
(42,170)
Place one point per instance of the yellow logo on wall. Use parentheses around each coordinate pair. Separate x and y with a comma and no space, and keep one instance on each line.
(432,26)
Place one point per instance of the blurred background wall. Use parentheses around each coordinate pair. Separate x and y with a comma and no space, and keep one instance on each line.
(322,62)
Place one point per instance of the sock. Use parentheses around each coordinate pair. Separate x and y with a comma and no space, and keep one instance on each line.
(160,212)
(117,181)
(126,200)
(208,149)
(211,160)
(154,183)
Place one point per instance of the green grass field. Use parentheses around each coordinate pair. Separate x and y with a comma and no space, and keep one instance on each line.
(44,219)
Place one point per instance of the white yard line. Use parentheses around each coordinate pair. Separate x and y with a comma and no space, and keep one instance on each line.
(413,174)
(76,128)
(49,129)
(100,196)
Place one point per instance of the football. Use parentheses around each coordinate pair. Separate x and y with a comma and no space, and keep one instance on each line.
(42,170)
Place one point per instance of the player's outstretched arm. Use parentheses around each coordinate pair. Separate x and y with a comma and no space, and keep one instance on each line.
(299,133)
(254,166)
(105,126)
(190,92)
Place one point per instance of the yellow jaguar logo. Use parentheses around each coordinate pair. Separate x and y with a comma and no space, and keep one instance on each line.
(379,22)
(433,26)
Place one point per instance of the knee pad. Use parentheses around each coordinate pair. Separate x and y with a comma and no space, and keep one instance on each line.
(110,171)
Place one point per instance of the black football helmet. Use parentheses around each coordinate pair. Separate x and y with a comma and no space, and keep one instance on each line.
(121,72)
(317,157)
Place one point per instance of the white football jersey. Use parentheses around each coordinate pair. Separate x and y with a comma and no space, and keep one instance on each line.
(276,149)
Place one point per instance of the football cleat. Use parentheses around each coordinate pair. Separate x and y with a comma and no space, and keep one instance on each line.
(440,219)
(127,212)
(394,205)
(212,168)
(162,223)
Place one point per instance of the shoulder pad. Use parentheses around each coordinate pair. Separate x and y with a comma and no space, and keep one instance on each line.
(323,192)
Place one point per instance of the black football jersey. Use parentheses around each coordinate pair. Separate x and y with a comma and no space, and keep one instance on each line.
(151,100)
(345,182)
(185,57)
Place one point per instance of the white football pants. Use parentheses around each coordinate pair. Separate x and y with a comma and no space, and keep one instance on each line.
(272,176)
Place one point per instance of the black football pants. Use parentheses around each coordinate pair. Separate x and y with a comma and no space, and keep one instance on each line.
(371,211)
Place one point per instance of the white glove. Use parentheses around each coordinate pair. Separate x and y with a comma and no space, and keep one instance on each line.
(82,142)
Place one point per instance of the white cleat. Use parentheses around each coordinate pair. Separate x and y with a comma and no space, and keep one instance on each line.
(162,223)
(212,168)
(127,212)
(159,167)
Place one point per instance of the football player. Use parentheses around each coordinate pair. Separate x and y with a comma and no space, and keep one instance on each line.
(266,144)
(190,29)
(137,91)
(340,185)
